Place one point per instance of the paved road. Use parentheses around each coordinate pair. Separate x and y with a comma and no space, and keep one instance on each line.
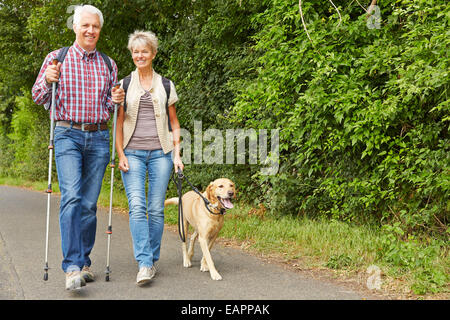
(22,247)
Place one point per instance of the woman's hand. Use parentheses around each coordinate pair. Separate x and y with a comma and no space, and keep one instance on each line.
(123,164)
(117,95)
(177,163)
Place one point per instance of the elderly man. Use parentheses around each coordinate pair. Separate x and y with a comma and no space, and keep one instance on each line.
(84,100)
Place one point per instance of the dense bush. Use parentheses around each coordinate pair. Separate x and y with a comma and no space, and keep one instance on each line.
(363,112)
(29,139)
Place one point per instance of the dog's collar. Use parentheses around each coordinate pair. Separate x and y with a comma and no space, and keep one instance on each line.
(222,211)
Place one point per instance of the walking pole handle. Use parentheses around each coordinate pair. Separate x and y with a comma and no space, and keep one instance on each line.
(113,154)
(116,86)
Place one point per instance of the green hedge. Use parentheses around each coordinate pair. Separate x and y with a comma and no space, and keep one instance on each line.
(363,112)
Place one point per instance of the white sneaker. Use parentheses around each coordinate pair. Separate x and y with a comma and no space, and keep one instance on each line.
(74,280)
(144,275)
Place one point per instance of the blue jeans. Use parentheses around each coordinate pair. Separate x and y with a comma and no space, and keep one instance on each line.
(81,159)
(147,232)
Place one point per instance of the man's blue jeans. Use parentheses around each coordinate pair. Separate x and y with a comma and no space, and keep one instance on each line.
(147,232)
(81,158)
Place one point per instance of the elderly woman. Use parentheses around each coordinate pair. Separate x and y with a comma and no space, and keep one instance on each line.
(144,146)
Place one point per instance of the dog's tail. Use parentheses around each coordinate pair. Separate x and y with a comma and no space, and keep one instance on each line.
(171,201)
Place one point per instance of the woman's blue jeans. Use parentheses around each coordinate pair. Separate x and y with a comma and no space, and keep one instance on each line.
(147,232)
(81,158)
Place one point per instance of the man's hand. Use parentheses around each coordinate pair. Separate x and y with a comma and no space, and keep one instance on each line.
(52,73)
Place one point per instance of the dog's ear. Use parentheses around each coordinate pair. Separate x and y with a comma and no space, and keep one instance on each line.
(209,191)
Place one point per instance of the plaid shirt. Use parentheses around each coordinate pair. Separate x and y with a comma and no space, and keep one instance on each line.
(83,93)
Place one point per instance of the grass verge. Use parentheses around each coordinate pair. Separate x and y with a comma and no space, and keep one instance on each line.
(406,269)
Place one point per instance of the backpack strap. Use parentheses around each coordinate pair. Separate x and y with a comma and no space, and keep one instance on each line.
(166,84)
(125,85)
(107,61)
(61,56)
(63,52)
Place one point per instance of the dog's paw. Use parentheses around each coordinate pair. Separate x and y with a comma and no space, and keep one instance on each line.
(204,266)
(187,264)
(216,276)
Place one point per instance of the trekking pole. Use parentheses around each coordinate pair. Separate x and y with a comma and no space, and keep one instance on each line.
(112,165)
(50,162)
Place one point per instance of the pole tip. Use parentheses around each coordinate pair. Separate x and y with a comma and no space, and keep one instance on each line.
(45,276)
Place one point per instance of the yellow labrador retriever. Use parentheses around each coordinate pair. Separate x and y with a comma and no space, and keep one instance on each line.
(206,225)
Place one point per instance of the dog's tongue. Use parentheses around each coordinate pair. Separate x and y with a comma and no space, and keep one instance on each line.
(227,203)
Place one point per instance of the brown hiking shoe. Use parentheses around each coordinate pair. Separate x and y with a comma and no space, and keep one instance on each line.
(87,274)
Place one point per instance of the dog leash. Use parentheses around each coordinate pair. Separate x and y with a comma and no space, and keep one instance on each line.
(178,183)
(207,203)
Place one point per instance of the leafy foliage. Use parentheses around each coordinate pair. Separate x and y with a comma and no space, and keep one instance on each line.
(363,112)
(29,140)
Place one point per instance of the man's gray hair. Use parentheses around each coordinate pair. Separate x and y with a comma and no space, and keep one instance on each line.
(86,8)
(146,38)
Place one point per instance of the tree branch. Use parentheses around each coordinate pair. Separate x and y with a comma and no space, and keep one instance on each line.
(340,17)
(303,21)
(362,6)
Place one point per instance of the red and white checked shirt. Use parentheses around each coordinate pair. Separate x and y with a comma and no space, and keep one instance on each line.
(84,87)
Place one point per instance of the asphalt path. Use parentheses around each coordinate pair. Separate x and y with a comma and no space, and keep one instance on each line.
(245,277)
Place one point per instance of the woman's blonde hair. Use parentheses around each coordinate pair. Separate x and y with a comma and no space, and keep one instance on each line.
(146,38)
